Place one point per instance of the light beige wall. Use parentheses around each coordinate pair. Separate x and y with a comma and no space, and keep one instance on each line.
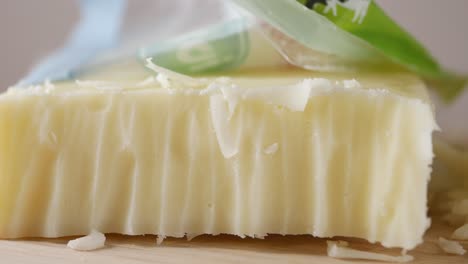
(442,25)
(29,29)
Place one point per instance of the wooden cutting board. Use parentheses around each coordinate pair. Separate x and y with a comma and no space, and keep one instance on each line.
(208,249)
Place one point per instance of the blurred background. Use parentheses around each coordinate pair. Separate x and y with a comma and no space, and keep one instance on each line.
(30,30)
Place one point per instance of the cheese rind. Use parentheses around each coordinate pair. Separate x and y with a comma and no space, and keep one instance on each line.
(353,162)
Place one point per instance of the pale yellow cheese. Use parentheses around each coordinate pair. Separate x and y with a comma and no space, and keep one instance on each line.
(256,154)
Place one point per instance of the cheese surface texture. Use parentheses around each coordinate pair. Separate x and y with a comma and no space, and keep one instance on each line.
(255,154)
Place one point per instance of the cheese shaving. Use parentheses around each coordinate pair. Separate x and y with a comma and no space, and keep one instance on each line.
(342,243)
(48,86)
(294,97)
(461,233)
(192,236)
(349,84)
(212,88)
(231,94)
(172,74)
(260,236)
(271,149)
(93,241)
(321,86)
(451,247)
(163,80)
(340,250)
(160,239)
(220,120)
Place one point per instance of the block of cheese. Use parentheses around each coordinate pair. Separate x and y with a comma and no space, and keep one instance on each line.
(287,152)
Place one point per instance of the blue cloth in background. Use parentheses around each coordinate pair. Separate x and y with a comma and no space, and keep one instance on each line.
(97,30)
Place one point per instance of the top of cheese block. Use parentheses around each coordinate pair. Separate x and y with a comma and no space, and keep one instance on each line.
(130,76)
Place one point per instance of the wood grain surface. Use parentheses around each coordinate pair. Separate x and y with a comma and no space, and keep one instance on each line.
(208,249)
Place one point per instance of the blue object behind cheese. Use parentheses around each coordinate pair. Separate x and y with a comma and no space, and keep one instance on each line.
(98,30)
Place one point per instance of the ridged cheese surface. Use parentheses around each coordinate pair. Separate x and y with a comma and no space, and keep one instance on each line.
(354,162)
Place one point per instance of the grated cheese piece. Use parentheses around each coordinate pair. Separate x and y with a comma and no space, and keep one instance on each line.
(160,239)
(350,84)
(232,94)
(163,80)
(210,89)
(93,241)
(451,247)
(340,250)
(48,85)
(271,149)
(260,236)
(191,236)
(461,233)
(294,97)
(220,120)
(172,74)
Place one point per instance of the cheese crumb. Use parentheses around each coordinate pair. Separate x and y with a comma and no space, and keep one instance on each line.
(271,149)
(220,122)
(191,236)
(451,247)
(163,80)
(340,250)
(350,84)
(172,74)
(260,236)
(294,97)
(160,239)
(49,86)
(93,241)
(461,233)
